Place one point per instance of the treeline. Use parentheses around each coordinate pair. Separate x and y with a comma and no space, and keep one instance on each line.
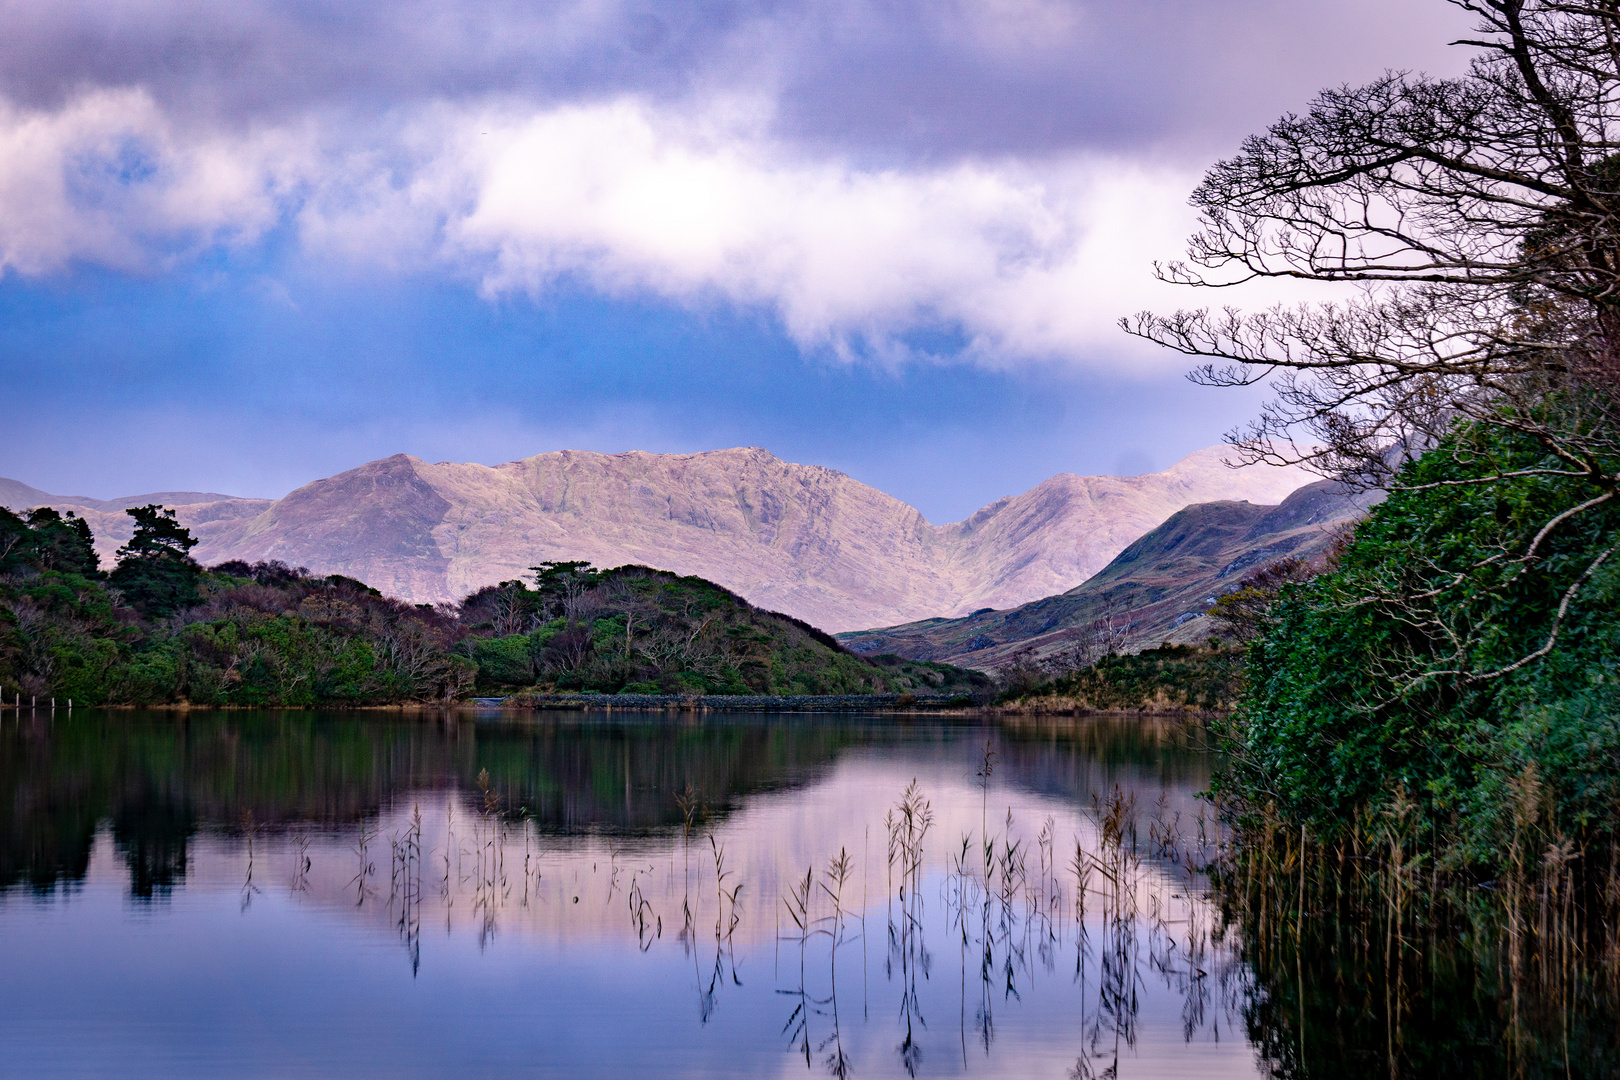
(642,631)
(160,629)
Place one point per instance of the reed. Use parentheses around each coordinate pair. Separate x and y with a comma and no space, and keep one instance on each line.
(405,886)
(302,864)
(1512,976)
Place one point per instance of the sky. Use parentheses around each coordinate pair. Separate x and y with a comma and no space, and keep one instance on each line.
(244,246)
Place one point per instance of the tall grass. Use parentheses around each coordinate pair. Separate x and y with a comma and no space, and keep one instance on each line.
(1375,959)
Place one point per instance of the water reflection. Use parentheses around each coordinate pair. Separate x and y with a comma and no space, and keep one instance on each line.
(569,897)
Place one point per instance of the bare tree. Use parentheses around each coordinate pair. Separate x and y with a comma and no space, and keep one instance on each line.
(671,649)
(1241,613)
(508,612)
(1114,624)
(1079,650)
(410,652)
(562,585)
(1480,218)
(1482,214)
(569,648)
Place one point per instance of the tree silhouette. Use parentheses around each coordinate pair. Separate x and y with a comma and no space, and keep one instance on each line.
(155,571)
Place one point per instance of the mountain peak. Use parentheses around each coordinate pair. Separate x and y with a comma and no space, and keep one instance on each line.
(803,539)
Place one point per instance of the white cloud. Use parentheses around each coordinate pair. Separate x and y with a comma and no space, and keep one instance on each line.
(108,179)
(1026,261)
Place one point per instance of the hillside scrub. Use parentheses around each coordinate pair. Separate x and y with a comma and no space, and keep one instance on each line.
(1433,672)
(160,629)
(635,630)
(237,635)
(1168,679)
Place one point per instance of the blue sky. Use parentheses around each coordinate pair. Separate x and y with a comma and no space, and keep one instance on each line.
(245,247)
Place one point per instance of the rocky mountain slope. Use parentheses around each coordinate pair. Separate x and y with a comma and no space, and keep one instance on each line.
(800,539)
(1156,590)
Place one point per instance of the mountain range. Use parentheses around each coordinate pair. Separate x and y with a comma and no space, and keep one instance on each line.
(1156,590)
(801,539)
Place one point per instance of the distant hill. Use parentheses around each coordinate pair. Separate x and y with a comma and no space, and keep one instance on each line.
(1155,590)
(19,496)
(801,539)
(635,630)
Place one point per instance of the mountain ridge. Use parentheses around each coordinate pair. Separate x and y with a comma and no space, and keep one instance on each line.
(1155,590)
(807,540)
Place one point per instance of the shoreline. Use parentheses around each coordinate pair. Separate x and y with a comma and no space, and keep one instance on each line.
(899,704)
(809,703)
(896,704)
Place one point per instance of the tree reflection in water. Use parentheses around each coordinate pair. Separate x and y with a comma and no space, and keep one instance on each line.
(1075,915)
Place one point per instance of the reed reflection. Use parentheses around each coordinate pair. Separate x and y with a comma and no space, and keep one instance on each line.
(969,847)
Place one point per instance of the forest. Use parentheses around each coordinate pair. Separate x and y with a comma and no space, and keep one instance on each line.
(161,629)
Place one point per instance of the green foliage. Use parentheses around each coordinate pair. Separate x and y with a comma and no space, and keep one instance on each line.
(304,641)
(46,540)
(155,571)
(1170,678)
(505,661)
(267,634)
(637,630)
(1413,667)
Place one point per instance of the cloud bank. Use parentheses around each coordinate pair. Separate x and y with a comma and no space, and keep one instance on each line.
(994,174)
(1018,259)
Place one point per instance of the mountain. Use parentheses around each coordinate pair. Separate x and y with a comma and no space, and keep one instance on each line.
(1155,590)
(17,496)
(207,514)
(800,539)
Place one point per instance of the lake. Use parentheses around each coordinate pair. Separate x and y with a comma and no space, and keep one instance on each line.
(299,894)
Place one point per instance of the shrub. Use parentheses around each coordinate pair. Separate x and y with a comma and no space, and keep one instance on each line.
(1433,665)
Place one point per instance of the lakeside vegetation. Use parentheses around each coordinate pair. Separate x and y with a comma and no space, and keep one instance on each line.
(1419,666)
(1422,775)
(1420,772)
(1204,679)
(1454,663)
(1427,669)
(161,629)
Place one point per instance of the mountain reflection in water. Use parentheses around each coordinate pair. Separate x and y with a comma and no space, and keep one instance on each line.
(298,894)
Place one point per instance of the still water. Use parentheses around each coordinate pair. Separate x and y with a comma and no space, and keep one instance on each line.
(276,895)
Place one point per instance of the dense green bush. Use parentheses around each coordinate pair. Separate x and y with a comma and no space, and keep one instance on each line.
(1411,670)
(1172,678)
